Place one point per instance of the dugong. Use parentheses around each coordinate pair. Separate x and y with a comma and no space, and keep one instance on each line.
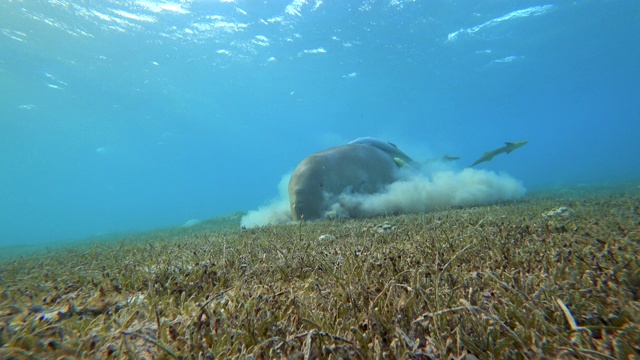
(364,165)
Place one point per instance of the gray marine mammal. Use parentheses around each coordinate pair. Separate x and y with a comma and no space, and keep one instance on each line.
(390,148)
(364,165)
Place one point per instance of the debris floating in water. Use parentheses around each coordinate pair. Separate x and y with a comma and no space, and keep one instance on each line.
(326,237)
(192,222)
(561,211)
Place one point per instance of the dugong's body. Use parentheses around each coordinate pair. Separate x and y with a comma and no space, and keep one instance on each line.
(364,165)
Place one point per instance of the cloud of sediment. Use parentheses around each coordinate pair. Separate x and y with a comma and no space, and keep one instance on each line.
(276,212)
(421,193)
(414,192)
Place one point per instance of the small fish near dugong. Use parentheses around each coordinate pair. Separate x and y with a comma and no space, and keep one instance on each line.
(506,149)
(364,165)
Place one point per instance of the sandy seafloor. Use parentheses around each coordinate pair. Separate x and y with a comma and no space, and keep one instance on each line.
(555,274)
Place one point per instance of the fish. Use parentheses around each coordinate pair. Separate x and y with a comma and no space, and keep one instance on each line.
(445,158)
(489,155)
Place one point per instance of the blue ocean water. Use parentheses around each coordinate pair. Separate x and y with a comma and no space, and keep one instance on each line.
(121,116)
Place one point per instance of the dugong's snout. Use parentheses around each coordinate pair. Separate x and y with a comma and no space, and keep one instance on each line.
(301,210)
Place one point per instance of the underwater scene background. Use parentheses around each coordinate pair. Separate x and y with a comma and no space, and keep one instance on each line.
(120,116)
